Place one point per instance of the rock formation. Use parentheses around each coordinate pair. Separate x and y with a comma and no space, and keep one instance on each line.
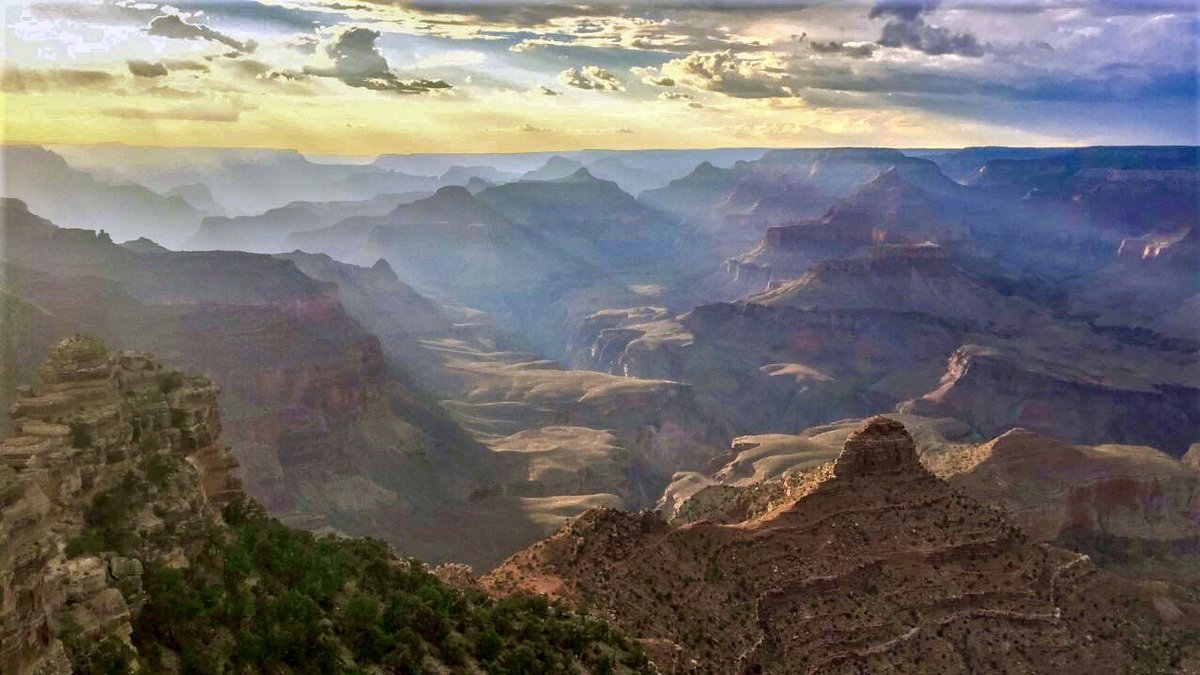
(881,446)
(1091,400)
(869,564)
(430,431)
(128,546)
(93,418)
(1132,509)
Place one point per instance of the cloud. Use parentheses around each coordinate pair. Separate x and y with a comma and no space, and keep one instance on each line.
(932,40)
(181,113)
(173,26)
(146,69)
(23,80)
(729,73)
(355,60)
(903,10)
(547,91)
(530,129)
(590,77)
(855,51)
(906,28)
(680,97)
(651,77)
(184,64)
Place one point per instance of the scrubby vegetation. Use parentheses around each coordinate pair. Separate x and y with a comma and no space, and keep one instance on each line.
(257,596)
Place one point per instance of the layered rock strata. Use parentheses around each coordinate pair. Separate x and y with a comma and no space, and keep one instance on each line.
(870,564)
(93,418)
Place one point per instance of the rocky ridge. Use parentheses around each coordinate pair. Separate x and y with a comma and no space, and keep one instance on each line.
(870,563)
(93,418)
(1133,509)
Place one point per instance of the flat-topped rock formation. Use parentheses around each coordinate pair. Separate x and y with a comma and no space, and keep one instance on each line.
(93,418)
(881,446)
(866,564)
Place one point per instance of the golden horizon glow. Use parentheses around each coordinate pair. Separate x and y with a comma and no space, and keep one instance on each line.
(304,75)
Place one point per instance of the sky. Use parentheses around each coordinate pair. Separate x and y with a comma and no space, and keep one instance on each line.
(364,77)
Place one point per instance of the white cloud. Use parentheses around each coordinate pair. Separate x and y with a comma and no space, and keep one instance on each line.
(590,77)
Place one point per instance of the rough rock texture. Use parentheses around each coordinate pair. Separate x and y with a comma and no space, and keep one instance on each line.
(890,209)
(881,446)
(870,564)
(1152,287)
(1132,509)
(93,417)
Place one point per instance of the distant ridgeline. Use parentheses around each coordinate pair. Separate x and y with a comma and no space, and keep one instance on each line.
(126,544)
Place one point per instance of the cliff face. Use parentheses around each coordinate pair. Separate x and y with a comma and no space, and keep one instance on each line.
(867,564)
(128,546)
(336,428)
(324,432)
(93,419)
(1129,507)
(996,389)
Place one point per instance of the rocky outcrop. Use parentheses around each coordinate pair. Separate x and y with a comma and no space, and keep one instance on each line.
(600,338)
(1133,509)
(903,278)
(92,418)
(869,564)
(881,446)
(740,204)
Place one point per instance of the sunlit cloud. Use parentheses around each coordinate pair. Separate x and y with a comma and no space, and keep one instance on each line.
(323,73)
(591,77)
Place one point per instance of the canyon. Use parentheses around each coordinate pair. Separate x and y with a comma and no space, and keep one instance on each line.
(554,371)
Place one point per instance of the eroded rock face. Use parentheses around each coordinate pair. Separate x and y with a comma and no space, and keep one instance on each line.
(1132,509)
(996,389)
(93,418)
(869,564)
(881,446)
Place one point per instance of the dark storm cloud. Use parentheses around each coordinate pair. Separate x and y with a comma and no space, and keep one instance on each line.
(863,51)
(146,68)
(173,26)
(906,27)
(904,10)
(358,63)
